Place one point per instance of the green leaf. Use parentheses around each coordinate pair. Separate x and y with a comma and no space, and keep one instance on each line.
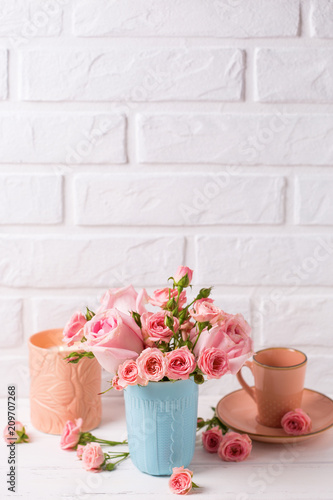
(195,485)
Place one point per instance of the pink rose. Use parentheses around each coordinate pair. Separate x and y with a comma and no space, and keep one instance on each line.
(79,451)
(73,331)
(204,310)
(213,362)
(92,457)
(115,383)
(232,336)
(161,297)
(154,328)
(180,481)
(113,337)
(181,272)
(124,299)
(71,434)
(151,364)
(296,422)
(128,374)
(180,363)
(211,439)
(11,436)
(235,447)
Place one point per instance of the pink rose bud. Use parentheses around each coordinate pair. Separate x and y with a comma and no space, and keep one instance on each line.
(71,434)
(115,384)
(92,457)
(151,364)
(180,363)
(204,310)
(296,422)
(128,374)
(235,447)
(11,436)
(161,297)
(182,271)
(73,331)
(79,451)
(180,482)
(213,362)
(211,439)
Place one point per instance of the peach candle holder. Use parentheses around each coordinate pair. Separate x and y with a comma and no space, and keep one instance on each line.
(61,391)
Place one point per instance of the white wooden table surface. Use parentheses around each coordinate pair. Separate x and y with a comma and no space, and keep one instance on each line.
(272,472)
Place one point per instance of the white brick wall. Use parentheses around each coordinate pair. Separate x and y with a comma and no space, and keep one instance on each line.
(140,134)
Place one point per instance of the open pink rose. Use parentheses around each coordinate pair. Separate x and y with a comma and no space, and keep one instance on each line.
(296,422)
(11,436)
(204,310)
(235,447)
(73,331)
(180,481)
(154,328)
(213,362)
(232,336)
(113,337)
(79,451)
(151,364)
(71,434)
(180,363)
(161,297)
(124,299)
(211,439)
(128,374)
(92,457)
(181,272)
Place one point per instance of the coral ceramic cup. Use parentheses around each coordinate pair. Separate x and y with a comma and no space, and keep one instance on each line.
(279,374)
(61,391)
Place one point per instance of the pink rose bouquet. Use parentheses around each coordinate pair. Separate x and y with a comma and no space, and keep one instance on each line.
(177,341)
(296,422)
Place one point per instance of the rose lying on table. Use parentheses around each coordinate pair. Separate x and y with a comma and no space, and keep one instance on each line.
(88,447)
(176,342)
(15,433)
(230,446)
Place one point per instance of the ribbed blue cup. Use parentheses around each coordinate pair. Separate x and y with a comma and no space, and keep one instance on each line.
(161,425)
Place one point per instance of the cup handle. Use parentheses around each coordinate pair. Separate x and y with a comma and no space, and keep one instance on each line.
(246,387)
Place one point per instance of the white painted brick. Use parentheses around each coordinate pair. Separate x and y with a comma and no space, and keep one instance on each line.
(293,261)
(11,312)
(71,138)
(178,199)
(296,320)
(273,139)
(233,304)
(30,199)
(321,18)
(139,74)
(55,311)
(253,18)
(23,20)
(14,370)
(313,200)
(59,261)
(319,373)
(3,74)
(298,74)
